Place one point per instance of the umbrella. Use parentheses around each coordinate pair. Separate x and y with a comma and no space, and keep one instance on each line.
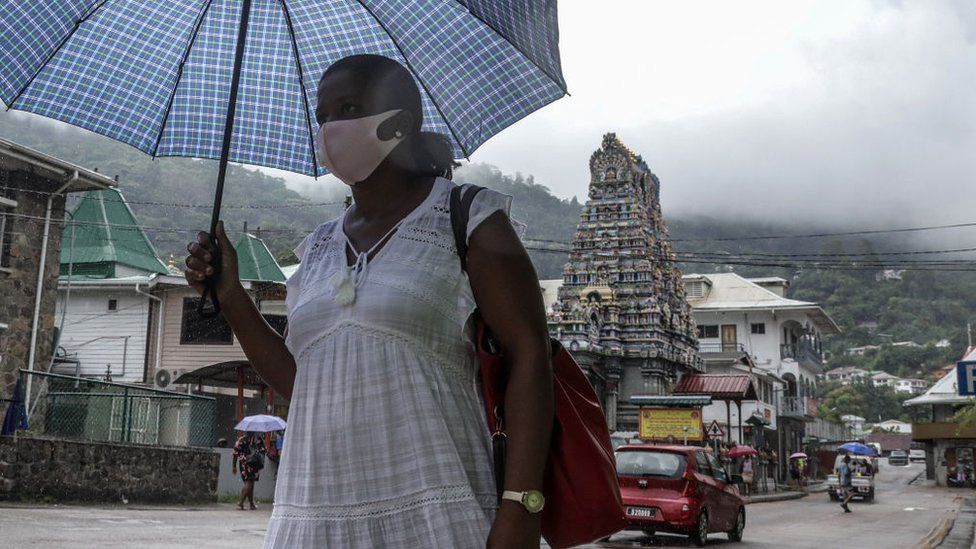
(795,455)
(16,416)
(235,80)
(858,449)
(261,423)
(740,451)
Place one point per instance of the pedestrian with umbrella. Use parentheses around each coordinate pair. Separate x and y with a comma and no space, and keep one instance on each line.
(248,459)
(386,444)
(378,309)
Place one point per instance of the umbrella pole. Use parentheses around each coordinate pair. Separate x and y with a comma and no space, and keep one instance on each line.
(211,290)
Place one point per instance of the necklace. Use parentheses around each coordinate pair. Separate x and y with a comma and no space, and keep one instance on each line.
(348,278)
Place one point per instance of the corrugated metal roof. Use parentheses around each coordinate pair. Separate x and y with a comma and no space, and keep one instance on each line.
(106,233)
(718,386)
(255,262)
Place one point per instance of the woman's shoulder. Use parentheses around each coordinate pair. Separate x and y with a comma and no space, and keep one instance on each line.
(313,240)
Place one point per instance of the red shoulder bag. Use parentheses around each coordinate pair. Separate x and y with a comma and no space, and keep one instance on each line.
(582,495)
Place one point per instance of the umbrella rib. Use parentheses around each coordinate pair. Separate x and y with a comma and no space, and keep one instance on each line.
(403,54)
(179,73)
(55,52)
(301,83)
(558,81)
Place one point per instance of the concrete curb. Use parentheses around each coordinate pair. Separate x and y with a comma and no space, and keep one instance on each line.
(768,498)
(938,532)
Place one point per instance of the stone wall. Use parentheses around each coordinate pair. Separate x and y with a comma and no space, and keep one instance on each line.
(18,281)
(69,471)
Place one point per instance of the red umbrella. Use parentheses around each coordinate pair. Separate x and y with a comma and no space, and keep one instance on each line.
(740,451)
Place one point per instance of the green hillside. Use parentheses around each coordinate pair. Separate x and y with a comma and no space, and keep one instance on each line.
(171,197)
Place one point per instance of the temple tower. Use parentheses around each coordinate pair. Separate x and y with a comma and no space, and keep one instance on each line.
(622,310)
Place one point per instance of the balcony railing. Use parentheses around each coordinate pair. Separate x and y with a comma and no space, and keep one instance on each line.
(798,407)
(801,352)
(715,347)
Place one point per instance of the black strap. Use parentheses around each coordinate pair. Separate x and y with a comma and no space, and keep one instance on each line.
(462,196)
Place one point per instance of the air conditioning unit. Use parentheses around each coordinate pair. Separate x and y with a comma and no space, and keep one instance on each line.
(164,378)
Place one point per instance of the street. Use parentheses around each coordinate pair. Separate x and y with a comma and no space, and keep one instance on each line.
(901,516)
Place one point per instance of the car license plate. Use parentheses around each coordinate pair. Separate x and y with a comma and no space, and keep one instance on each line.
(643,512)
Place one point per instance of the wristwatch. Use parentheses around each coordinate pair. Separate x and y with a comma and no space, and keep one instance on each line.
(532,500)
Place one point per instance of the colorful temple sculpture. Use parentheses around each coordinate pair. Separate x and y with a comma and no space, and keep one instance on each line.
(621,309)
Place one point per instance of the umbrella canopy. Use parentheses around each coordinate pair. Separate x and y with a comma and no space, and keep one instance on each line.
(261,423)
(741,451)
(795,455)
(858,449)
(158,74)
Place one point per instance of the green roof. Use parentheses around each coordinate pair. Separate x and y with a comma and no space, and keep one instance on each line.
(106,234)
(255,262)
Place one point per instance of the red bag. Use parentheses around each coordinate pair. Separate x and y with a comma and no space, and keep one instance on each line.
(581,490)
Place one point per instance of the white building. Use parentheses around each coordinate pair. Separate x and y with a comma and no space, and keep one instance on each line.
(781,336)
(911,386)
(856,423)
(846,375)
(884,379)
(104,310)
(894,426)
(861,351)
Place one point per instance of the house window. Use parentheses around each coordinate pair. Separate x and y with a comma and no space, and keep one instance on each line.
(113,305)
(6,230)
(196,330)
(709,331)
(759,328)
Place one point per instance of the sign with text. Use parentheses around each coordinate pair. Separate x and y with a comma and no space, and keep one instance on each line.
(660,423)
(966,377)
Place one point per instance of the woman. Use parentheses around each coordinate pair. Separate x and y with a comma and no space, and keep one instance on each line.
(747,474)
(387,441)
(247,444)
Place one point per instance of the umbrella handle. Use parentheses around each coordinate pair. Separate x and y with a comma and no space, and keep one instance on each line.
(210,290)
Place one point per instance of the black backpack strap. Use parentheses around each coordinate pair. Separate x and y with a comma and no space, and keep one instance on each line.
(462,196)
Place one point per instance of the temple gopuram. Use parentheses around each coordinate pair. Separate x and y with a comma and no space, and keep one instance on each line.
(621,309)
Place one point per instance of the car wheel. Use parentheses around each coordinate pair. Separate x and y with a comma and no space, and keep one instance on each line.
(649,533)
(700,536)
(740,525)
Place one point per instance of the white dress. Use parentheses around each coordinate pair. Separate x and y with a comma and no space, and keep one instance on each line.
(387,442)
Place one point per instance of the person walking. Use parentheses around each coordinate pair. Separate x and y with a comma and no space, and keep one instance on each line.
(247,458)
(844,473)
(747,474)
(387,443)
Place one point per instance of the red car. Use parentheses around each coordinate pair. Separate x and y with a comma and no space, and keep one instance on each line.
(679,490)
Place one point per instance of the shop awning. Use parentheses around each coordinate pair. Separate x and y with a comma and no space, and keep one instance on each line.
(736,387)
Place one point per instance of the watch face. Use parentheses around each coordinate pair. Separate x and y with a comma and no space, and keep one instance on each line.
(534,501)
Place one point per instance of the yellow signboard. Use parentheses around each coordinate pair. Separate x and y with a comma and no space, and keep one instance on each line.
(659,423)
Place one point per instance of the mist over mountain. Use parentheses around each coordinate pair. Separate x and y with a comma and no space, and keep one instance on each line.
(172,198)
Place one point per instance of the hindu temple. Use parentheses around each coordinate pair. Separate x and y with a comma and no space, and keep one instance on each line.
(621,308)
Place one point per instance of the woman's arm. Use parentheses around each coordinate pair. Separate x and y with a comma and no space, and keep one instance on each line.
(264,348)
(507,290)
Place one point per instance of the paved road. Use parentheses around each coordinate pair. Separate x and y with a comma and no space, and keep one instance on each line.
(900,517)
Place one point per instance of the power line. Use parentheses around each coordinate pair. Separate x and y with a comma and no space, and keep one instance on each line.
(281,205)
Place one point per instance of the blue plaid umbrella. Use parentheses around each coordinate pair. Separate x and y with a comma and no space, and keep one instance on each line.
(235,80)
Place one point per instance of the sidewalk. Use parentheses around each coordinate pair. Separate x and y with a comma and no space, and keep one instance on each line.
(773,496)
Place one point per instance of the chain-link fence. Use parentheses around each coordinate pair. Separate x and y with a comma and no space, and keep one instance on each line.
(84,409)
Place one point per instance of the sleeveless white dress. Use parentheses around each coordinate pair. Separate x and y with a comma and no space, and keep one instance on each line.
(387,444)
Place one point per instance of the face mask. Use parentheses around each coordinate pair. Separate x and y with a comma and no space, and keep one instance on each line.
(351,149)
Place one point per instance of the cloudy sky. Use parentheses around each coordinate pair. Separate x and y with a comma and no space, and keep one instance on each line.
(841,110)
(838,111)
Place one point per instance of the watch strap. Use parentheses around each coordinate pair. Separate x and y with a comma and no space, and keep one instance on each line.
(512,495)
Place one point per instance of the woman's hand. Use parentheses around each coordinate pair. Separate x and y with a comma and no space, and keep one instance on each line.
(515,528)
(199,269)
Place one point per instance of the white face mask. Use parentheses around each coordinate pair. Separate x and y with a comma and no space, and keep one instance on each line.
(351,149)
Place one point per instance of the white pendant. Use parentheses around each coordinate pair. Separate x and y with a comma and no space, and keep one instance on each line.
(343,290)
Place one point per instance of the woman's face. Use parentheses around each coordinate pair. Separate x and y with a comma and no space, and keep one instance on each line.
(345,95)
